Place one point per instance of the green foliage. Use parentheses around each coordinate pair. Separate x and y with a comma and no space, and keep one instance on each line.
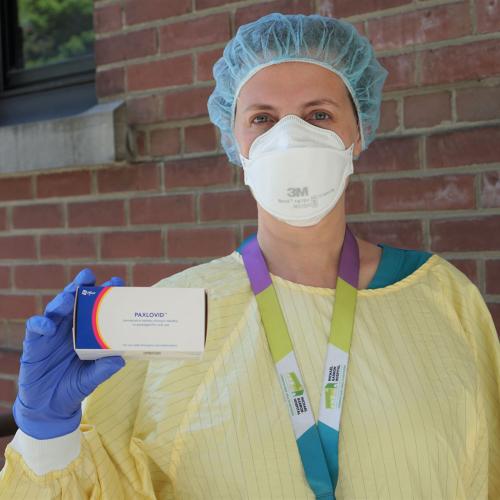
(55,30)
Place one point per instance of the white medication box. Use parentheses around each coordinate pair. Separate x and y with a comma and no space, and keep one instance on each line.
(145,322)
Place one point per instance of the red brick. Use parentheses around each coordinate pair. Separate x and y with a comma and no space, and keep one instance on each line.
(124,46)
(446,65)
(131,245)
(206,4)
(15,332)
(346,8)
(495,313)
(403,234)
(3,218)
(198,32)
(17,247)
(189,103)
(492,268)
(462,235)
(165,141)
(443,22)
(162,209)
(200,242)
(150,274)
(200,138)
(45,215)
(463,147)
(488,16)
(15,188)
(140,43)
(109,50)
(389,119)
(107,18)
(8,390)
(145,110)
(402,71)
(5,277)
(40,276)
(160,74)
(468,267)
(110,82)
(67,246)
(205,62)
(257,10)
(227,205)
(9,361)
(427,110)
(360,28)
(141,143)
(140,11)
(63,184)
(479,103)
(430,193)
(389,155)
(102,272)
(199,172)
(135,177)
(96,213)
(356,198)
(490,190)
(17,306)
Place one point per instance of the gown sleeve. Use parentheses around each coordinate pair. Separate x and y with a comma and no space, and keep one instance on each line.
(104,468)
(480,328)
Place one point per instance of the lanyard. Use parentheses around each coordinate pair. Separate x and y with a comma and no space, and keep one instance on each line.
(317,444)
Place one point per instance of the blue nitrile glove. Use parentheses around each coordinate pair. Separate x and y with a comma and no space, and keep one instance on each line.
(53,381)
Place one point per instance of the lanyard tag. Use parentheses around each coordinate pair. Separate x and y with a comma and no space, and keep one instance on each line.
(333,387)
(295,394)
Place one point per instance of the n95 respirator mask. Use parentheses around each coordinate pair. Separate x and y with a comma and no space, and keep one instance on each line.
(296,171)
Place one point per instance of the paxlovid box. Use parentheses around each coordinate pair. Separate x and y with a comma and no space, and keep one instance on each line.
(145,322)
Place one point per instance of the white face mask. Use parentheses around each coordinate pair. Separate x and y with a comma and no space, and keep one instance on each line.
(296,171)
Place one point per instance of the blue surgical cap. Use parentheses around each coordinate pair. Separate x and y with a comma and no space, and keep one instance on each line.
(277,38)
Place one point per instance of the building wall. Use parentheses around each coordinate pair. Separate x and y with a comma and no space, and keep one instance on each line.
(431,180)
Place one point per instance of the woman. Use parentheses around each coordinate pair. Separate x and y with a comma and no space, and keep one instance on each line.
(403,382)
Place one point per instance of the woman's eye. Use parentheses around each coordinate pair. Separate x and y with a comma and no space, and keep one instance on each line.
(256,121)
(320,113)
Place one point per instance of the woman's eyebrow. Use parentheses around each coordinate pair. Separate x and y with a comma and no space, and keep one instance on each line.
(316,102)
(257,106)
(324,100)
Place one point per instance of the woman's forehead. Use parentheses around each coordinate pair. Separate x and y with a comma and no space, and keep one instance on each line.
(301,80)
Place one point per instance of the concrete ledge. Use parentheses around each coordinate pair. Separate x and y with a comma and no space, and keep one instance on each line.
(98,135)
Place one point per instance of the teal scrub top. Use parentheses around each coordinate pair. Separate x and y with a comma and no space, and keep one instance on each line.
(396,264)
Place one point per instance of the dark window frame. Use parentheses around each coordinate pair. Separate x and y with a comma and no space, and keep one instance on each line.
(55,90)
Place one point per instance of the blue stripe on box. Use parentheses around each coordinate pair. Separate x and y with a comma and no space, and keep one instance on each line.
(85,338)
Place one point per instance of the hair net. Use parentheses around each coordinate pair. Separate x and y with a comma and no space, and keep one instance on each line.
(277,38)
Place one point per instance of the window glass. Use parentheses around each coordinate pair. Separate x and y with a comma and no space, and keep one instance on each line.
(53,31)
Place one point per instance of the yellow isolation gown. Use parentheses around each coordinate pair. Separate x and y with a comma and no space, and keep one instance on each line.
(421,416)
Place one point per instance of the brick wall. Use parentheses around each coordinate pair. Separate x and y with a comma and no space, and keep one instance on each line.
(431,180)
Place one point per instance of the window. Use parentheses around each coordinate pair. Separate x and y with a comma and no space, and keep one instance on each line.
(47,66)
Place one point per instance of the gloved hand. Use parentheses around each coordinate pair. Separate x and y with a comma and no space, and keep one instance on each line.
(53,381)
